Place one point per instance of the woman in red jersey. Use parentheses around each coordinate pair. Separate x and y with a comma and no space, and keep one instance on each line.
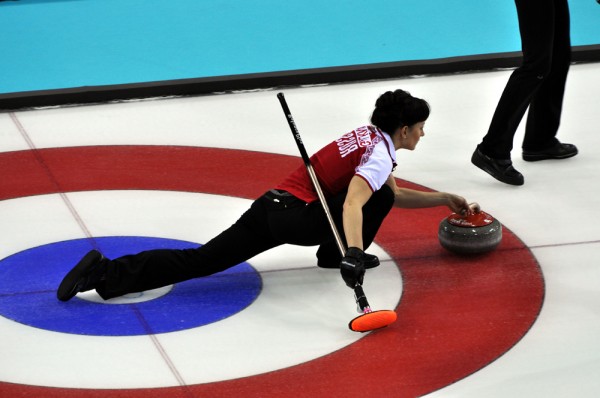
(355,172)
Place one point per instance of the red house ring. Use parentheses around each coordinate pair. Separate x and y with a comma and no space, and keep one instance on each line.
(456,315)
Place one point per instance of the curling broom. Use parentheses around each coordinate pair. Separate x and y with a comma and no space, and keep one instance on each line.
(369,319)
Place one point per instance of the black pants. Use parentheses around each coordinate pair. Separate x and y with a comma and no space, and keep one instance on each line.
(539,83)
(272,220)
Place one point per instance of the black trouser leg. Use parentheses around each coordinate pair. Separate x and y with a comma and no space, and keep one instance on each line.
(538,27)
(545,110)
(151,269)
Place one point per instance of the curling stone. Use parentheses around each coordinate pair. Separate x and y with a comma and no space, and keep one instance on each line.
(478,232)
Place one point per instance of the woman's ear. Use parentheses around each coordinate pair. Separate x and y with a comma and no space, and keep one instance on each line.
(404,131)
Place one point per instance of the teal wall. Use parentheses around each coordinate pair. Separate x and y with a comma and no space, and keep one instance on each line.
(57,44)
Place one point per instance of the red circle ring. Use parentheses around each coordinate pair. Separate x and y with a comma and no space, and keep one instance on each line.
(457,314)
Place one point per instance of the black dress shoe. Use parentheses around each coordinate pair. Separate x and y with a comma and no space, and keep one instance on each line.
(369,261)
(90,270)
(500,169)
(558,151)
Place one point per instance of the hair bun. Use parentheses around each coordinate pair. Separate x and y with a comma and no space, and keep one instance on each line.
(391,98)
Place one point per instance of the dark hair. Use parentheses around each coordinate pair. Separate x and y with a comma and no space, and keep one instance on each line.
(398,109)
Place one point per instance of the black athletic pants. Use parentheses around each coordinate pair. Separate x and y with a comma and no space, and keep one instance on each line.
(538,84)
(272,220)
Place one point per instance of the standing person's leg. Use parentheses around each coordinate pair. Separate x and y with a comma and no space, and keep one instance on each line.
(156,268)
(546,106)
(536,26)
(374,212)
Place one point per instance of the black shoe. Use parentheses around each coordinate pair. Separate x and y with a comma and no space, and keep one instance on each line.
(83,277)
(500,169)
(558,151)
(369,261)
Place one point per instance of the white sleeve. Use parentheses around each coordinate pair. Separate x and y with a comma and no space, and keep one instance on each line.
(375,166)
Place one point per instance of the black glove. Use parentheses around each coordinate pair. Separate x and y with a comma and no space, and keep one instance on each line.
(352,267)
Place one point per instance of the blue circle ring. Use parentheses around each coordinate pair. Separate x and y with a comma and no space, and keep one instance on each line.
(28,288)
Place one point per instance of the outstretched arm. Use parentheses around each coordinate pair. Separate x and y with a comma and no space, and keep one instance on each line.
(412,199)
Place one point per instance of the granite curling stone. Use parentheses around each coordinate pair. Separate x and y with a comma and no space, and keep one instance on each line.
(477,232)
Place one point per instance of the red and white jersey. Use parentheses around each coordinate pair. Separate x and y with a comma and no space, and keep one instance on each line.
(366,152)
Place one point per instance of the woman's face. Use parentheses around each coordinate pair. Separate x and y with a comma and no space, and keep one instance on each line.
(412,135)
